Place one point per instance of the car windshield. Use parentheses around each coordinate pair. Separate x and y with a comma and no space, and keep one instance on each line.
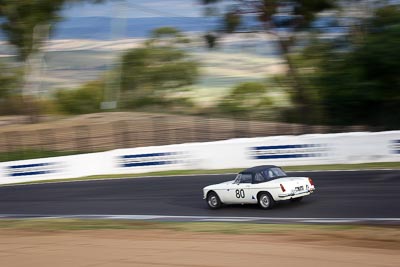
(243,178)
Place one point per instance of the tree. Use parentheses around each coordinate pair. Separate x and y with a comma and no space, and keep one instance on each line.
(157,68)
(167,36)
(246,98)
(85,99)
(10,78)
(21,17)
(361,85)
(26,25)
(151,72)
(302,13)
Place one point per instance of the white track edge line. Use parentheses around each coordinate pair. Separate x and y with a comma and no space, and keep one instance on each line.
(231,218)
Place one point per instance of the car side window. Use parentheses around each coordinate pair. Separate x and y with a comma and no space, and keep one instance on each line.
(245,179)
(258,178)
(268,174)
(271,174)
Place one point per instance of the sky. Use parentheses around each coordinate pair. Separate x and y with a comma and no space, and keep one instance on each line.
(137,9)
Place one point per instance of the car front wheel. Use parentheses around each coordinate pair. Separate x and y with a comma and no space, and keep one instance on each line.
(213,200)
(265,200)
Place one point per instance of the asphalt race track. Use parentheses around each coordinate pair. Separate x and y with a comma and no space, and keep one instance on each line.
(339,194)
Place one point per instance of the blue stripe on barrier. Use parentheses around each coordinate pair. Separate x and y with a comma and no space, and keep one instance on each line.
(31,169)
(29,173)
(396,146)
(286,156)
(278,147)
(29,166)
(145,155)
(286,146)
(148,159)
(151,163)
(289,151)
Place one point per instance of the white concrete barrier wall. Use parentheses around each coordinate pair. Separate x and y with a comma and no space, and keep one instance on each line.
(312,149)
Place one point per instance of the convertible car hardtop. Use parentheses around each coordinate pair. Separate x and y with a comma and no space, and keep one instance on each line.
(267,172)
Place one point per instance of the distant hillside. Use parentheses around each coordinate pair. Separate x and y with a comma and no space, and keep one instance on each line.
(99,28)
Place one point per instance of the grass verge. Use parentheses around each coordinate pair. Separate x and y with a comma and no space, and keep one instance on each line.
(212,227)
(347,235)
(34,154)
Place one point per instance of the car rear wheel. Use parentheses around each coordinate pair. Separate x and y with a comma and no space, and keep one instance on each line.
(213,200)
(265,200)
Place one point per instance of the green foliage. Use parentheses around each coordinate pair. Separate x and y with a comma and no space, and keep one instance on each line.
(232,21)
(167,36)
(26,24)
(22,17)
(248,97)
(86,99)
(12,105)
(360,86)
(305,11)
(33,154)
(308,8)
(151,76)
(9,80)
(386,16)
(152,69)
(10,98)
(165,31)
(365,86)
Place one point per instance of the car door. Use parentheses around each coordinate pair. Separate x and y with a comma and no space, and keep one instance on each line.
(240,191)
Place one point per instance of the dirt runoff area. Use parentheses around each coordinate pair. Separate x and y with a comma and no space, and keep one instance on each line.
(154,247)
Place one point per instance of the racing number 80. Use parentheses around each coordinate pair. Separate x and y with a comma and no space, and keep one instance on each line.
(240,193)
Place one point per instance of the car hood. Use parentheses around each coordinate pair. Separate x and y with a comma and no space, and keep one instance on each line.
(220,185)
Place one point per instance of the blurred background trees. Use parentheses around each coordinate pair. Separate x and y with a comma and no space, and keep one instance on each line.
(150,76)
(26,24)
(349,80)
(297,15)
(249,98)
(20,19)
(10,79)
(155,73)
(86,99)
(331,82)
(361,84)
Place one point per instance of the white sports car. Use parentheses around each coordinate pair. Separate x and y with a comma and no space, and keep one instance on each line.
(264,185)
